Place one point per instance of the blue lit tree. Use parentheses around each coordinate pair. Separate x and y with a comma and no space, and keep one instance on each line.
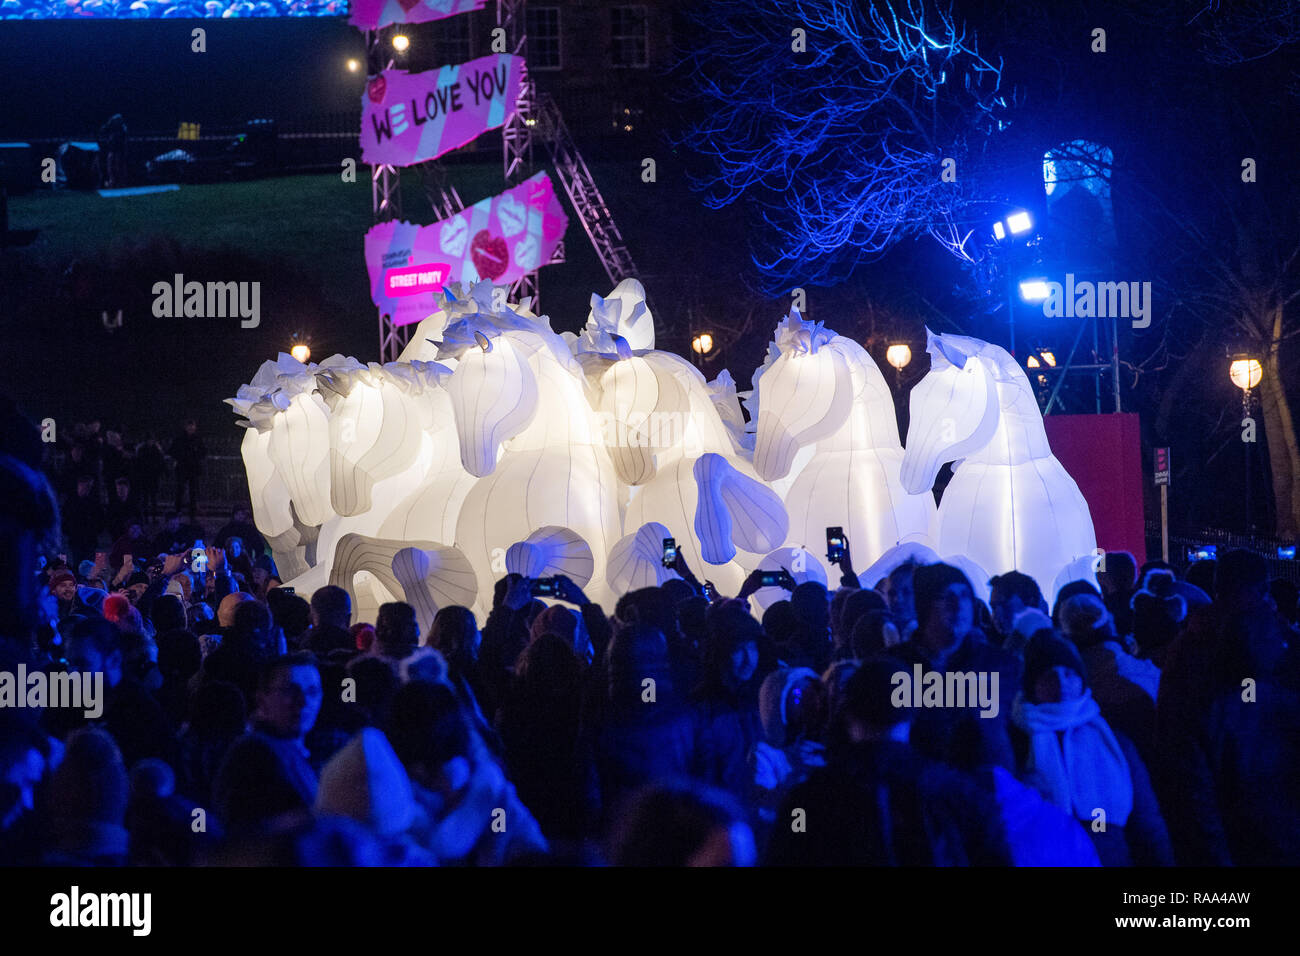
(839,148)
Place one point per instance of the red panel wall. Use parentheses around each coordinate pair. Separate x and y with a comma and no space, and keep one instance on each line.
(1103,454)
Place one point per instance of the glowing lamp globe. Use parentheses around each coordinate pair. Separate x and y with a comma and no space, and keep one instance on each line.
(401,43)
(353,65)
(898,356)
(301,352)
(1245,373)
(702,343)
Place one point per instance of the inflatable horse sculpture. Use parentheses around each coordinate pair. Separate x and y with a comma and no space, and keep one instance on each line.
(1010,504)
(821,393)
(497,445)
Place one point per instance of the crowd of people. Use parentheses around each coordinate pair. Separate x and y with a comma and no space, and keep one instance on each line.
(1152,721)
(109,488)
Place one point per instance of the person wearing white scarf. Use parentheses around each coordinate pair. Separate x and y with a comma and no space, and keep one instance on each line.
(1074,759)
(1069,753)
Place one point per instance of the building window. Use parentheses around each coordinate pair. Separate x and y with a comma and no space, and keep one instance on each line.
(453,41)
(629,43)
(542,25)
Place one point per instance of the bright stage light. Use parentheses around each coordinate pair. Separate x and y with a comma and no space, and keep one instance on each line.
(1049,358)
(898,355)
(1034,290)
(353,65)
(998,232)
(702,343)
(1019,222)
(301,352)
(401,43)
(1031,362)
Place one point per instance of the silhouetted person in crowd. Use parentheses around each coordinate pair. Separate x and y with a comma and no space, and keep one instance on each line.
(88,795)
(397,632)
(83,519)
(946,639)
(681,824)
(1118,577)
(878,802)
(637,730)
(266,773)
(331,616)
(726,701)
(189,452)
(1226,726)
(1009,595)
(538,723)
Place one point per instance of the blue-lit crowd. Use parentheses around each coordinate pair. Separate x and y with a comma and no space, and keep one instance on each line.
(1151,720)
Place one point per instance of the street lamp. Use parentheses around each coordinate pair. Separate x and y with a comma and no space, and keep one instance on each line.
(898,355)
(1246,372)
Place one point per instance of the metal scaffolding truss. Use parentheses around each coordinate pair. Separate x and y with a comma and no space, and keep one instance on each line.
(580,186)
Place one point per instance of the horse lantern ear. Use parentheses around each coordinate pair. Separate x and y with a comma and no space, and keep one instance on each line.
(938,346)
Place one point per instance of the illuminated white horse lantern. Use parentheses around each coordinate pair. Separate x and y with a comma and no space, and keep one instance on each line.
(679,461)
(1010,504)
(825,419)
(531,438)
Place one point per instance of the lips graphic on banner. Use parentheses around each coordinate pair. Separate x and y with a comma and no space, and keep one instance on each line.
(408,118)
(471,245)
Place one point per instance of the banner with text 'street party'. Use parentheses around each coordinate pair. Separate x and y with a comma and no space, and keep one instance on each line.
(373,14)
(408,118)
(502,238)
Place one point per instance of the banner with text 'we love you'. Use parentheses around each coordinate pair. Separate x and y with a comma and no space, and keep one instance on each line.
(501,238)
(407,118)
(373,14)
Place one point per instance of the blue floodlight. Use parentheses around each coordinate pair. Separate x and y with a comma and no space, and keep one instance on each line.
(998,232)
(1034,290)
(1019,222)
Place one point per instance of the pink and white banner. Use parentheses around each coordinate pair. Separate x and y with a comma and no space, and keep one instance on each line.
(407,118)
(373,14)
(501,238)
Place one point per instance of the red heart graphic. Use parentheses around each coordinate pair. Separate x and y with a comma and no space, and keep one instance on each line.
(489,253)
(377,88)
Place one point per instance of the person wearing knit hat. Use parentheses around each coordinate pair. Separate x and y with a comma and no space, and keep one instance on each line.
(366,782)
(1068,751)
(1024,626)
(1125,687)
